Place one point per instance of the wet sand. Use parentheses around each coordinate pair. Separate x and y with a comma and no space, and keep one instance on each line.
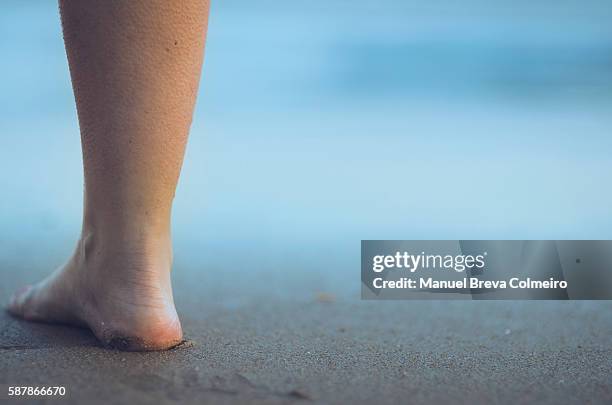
(247,344)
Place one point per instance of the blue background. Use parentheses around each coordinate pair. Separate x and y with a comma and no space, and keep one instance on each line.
(325,122)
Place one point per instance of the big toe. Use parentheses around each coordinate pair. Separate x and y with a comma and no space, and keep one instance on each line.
(42,303)
(18,302)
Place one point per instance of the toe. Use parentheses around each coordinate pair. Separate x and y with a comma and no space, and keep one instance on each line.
(17,302)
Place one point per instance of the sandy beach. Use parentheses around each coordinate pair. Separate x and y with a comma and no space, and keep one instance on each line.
(324,347)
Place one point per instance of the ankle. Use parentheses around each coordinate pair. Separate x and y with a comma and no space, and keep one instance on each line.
(130,248)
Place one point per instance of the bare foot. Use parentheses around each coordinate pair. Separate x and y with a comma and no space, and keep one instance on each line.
(118,289)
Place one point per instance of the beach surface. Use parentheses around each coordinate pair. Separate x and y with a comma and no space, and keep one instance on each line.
(322,346)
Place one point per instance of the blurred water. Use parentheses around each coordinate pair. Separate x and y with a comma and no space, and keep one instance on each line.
(322,123)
